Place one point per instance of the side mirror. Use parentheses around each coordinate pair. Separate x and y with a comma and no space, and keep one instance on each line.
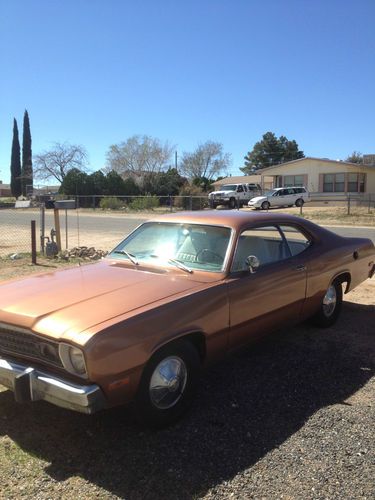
(253,263)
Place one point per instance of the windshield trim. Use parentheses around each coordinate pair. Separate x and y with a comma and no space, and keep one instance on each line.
(224,269)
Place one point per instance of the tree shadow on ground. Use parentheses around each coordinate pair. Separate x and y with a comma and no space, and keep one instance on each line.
(247,405)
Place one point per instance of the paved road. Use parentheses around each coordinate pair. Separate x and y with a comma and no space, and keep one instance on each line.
(123,224)
(355,232)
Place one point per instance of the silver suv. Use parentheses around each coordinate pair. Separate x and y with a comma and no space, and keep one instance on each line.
(279,197)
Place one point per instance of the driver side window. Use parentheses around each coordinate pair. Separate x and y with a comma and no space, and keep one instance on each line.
(266,243)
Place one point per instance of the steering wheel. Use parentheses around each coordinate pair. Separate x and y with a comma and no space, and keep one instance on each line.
(204,255)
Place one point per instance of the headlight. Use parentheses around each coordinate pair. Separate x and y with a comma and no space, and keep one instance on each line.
(73,359)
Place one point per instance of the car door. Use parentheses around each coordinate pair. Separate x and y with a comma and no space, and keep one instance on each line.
(272,296)
(282,198)
(274,199)
(288,197)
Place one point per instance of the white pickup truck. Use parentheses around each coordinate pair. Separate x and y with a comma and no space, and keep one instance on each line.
(234,195)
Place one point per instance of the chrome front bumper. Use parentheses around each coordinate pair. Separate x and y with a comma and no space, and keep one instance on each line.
(30,384)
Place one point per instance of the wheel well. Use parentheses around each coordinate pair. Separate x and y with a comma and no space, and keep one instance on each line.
(199,342)
(344,278)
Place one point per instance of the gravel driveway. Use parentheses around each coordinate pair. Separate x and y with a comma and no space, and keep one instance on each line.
(291,417)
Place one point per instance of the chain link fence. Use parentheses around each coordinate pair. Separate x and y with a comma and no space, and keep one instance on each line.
(138,203)
(349,201)
(102,221)
(15,230)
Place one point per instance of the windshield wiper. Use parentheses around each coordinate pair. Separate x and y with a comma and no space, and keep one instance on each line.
(180,265)
(130,256)
(175,262)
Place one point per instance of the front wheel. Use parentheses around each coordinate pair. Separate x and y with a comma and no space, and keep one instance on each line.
(232,203)
(330,307)
(265,205)
(168,384)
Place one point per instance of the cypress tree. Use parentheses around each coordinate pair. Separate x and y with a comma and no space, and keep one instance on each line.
(15,164)
(27,164)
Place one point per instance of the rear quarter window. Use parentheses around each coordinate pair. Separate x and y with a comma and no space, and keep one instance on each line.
(297,241)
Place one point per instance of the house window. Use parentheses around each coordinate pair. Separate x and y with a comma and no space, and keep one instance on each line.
(356,183)
(334,183)
(293,180)
(328,183)
(339,183)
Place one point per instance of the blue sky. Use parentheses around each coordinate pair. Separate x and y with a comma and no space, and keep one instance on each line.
(95,72)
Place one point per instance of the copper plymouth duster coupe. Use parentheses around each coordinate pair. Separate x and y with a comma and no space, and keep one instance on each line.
(179,292)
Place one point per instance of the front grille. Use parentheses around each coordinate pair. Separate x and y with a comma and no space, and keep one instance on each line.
(18,343)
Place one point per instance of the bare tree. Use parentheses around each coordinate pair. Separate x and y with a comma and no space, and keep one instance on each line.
(56,162)
(208,160)
(139,155)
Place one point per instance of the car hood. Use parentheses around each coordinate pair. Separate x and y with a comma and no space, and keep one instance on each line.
(222,192)
(66,302)
(258,198)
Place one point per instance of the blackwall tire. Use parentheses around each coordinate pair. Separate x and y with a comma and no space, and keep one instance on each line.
(299,202)
(265,205)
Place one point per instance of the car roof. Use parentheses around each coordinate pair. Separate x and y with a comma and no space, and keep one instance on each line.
(289,187)
(235,219)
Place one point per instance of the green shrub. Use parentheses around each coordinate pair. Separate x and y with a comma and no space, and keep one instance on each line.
(191,198)
(112,203)
(144,203)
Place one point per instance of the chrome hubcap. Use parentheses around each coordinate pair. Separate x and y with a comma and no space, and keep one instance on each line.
(329,301)
(168,382)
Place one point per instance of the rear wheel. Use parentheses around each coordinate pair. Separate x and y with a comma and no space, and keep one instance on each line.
(265,205)
(330,307)
(299,202)
(168,384)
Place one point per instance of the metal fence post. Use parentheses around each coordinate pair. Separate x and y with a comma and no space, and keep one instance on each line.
(191,203)
(56,215)
(348,204)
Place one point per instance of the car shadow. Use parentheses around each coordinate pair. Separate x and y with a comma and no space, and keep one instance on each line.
(247,405)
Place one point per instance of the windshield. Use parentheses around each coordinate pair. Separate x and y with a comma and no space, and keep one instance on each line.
(187,246)
(229,187)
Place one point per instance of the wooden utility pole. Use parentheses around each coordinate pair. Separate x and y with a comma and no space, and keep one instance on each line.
(57,228)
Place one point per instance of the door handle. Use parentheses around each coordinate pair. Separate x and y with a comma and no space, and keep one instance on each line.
(300,267)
